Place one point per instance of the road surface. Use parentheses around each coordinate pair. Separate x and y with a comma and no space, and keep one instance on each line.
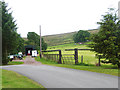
(58,77)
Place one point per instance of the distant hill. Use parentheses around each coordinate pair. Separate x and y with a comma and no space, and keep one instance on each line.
(59,39)
(64,38)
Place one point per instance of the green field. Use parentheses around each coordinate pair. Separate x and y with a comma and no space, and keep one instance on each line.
(88,56)
(12,79)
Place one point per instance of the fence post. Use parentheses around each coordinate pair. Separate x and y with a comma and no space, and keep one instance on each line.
(40,55)
(99,60)
(76,56)
(82,59)
(60,55)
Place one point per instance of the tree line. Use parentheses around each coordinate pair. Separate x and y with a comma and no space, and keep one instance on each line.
(12,42)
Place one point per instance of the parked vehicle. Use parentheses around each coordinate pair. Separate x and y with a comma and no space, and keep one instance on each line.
(34,53)
(11,57)
(18,56)
(20,53)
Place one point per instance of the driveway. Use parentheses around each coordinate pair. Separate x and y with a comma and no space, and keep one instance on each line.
(59,77)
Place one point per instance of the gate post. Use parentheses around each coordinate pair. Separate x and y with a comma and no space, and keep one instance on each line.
(60,55)
(76,56)
(40,55)
(99,60)
(82,59)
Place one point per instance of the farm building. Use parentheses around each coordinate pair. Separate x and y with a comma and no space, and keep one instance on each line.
(28,49)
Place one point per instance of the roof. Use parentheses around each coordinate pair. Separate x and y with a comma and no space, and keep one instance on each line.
(30,46)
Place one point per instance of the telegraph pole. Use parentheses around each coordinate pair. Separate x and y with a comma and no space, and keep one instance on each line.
(40,44)
(119,10)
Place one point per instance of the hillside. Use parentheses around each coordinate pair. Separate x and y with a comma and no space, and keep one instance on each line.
(64,38)
(59,39)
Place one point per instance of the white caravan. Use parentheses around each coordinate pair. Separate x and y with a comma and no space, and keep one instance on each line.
(34,53)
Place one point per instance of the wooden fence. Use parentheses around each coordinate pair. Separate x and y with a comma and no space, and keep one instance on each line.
(65,58)
(54,57)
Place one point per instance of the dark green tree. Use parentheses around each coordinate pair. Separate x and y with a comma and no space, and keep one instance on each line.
(34,39)
(10,37)
(0,33)
(107,41)
(44,45)
(20,43)
(81,36)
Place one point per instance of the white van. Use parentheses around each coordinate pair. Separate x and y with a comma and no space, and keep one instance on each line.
(34,53)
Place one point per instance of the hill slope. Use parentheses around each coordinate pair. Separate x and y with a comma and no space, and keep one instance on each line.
(64,38)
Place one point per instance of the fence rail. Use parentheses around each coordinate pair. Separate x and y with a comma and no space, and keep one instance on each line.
(68,58)
(65,58)
(54,57)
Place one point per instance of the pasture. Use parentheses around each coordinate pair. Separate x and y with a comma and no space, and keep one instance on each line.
(88,56)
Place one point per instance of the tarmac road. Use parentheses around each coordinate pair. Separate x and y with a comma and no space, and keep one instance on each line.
(58,77)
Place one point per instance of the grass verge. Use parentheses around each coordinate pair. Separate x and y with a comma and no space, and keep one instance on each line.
(106,69)
(15,63)
(12,79)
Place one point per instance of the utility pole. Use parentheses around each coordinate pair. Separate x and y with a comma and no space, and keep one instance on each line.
(40,44)
(119,10)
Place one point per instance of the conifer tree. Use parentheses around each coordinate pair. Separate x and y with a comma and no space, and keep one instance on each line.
(107,41)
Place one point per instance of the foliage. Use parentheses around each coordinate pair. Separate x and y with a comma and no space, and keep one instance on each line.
(107,41)
(81,36)
(34,39)
(10,38)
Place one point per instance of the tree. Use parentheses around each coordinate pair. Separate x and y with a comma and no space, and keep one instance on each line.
(107,41)
(81,36)
(34,39)
(10,37)
(20,44)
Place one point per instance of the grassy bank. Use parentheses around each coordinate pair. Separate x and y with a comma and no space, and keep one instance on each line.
(0,79)
(15,63)
(107,69)
(12,79)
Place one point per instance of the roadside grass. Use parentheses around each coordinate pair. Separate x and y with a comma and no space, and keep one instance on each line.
(14,63)
(12,79)
(0,79)
(106,69)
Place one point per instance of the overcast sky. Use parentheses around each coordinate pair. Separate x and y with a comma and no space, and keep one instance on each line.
(58,16)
